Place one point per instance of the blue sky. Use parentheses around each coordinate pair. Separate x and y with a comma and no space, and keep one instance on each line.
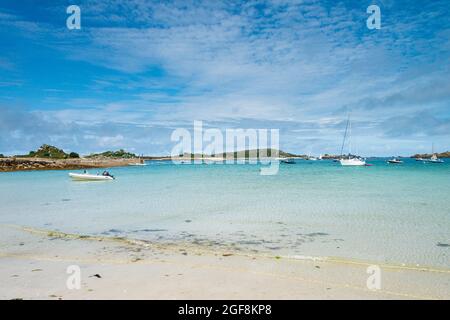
(139,69)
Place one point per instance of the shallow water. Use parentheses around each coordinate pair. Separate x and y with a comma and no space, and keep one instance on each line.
(385,213)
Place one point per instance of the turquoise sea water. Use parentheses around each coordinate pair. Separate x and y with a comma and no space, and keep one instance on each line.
(383,213)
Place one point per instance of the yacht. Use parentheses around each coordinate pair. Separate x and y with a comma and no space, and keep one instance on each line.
(140,163)
(434,159)
(351,160)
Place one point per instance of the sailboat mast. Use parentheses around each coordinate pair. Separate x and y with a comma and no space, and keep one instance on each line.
(349,139)
(345,135)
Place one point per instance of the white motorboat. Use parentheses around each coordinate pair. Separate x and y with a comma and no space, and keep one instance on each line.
(90,177)
(395,161)
(287,160)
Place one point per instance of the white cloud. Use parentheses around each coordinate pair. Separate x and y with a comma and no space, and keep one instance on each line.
(286,63)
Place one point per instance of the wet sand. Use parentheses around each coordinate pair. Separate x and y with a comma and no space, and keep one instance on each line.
(33,265)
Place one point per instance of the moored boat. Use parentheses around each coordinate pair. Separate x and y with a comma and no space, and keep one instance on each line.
(434,159)
(395,161)
(140,163)
(352,162)
(287,160)
(90,177)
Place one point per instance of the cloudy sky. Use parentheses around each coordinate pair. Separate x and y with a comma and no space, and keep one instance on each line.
(139,69)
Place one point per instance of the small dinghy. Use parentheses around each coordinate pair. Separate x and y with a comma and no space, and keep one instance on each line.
(91,177)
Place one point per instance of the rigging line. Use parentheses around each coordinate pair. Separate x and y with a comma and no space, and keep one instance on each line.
(345,135)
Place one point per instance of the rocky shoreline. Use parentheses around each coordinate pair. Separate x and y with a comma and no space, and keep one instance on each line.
(26,164)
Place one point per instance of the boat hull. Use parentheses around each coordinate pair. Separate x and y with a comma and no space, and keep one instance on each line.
(89,177)
(352,162)
(287,161)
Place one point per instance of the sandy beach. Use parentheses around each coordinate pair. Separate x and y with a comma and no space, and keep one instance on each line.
(33,265)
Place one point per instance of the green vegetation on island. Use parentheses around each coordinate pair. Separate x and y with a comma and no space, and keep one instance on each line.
(244,154)
(51,152)
(428,155)
(255,153)
(119,154)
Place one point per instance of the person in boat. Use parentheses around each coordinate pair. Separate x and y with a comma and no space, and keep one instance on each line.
(109,174)
(106,174)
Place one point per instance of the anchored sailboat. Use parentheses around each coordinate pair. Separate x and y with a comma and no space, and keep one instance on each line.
(434,158)
(140,163)
(351,160)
